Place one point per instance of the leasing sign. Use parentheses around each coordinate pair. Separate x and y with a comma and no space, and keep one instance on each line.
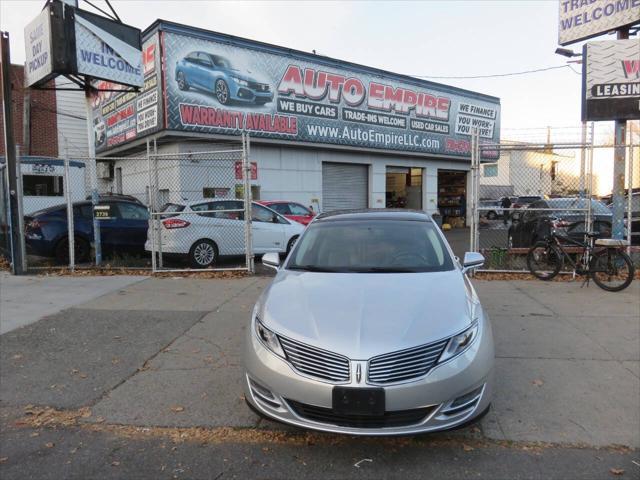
(611,80)
(582,19)
(218,86)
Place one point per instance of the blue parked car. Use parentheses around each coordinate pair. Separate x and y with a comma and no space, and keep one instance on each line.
(215,74)
(46,231)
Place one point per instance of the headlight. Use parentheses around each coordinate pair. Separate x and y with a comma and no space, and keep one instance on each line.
(268,338)
(239,81)
(459,343)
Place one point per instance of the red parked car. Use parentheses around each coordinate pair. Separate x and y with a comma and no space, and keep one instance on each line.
(291,210)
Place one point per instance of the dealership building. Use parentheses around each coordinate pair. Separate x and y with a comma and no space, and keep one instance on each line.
(326,133)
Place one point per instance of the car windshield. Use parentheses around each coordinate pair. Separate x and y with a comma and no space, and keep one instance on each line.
(380,246)
(221,62)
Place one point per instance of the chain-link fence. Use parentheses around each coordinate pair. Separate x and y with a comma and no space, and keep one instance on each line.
(201,211)
(158,211)
(533,189)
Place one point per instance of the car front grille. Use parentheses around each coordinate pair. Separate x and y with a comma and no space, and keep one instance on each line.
(404,365)
(260,87)
(315,362)
(399,418)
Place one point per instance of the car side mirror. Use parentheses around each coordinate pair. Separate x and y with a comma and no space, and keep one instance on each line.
(275,218)
(271,260)
(472,260)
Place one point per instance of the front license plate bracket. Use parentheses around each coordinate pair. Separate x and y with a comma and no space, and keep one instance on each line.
(358,401)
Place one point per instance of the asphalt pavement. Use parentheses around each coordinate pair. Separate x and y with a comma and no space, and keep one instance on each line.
(144,382)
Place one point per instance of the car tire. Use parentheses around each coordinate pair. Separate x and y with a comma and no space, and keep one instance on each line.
(222,91)
(203,254)
(291,243)
(82,248)
(182,82)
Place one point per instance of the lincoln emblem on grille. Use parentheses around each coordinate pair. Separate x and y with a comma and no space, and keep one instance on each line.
(358,373)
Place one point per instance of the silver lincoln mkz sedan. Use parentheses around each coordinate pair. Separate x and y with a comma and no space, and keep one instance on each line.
(370,327)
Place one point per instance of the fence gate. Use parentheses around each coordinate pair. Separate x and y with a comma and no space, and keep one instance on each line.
(530,190)
(200,210)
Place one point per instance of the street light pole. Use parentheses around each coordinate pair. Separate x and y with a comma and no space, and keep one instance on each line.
(17,243)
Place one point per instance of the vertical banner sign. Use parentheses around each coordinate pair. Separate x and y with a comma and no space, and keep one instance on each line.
(582,19)
(37,41)
(119,117)
(611,84)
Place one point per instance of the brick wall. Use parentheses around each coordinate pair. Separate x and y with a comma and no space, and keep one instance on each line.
(44,134)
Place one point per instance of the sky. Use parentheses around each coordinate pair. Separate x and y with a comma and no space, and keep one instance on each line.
(421,38)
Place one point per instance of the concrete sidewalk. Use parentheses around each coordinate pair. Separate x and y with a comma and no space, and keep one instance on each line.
(27,299)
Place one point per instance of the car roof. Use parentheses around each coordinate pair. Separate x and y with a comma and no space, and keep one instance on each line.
(374,214)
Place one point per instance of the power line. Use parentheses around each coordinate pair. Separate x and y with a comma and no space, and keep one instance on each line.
(524,72)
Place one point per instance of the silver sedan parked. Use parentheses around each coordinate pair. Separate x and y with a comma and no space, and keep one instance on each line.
(370,327)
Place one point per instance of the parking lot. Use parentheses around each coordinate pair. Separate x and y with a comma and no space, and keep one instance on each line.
(83,393)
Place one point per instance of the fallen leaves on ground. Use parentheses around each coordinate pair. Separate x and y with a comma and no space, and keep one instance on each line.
(617,471)
(3,459)
(467,448)
(537,382)
(177,408)
(107,271)
(49,444)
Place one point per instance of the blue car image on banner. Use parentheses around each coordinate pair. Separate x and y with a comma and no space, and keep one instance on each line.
(215,74)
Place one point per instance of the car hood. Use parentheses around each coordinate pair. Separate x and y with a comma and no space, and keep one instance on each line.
(361,315)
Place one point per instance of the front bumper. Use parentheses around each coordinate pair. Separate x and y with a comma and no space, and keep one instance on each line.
(428,404)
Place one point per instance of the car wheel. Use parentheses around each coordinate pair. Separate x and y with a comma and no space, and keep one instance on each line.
(491,215)
(292,242)
(81,247)
(182,82)
(222,92)
(203,254)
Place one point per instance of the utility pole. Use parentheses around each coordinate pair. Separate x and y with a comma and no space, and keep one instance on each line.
(17,260)
(620,137)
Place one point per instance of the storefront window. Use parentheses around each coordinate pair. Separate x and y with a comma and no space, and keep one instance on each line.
(490,170)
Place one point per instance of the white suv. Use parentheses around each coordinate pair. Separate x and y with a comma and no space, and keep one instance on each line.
(207,229)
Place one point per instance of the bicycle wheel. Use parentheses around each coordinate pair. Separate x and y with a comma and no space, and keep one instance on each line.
(544,260)
(611,269)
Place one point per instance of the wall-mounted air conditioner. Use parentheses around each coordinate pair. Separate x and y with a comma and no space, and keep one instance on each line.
(105,170)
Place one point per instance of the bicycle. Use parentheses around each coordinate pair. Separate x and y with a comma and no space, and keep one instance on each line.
(601,259)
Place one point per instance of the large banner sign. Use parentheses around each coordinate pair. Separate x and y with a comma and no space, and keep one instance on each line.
(120,117)
(611,80)
(582,19)
(224,88)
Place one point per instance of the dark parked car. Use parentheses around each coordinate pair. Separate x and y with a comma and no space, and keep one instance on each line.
(531,225)
(125,230)
(215,74)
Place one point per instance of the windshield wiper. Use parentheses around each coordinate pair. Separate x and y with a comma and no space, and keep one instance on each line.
(311,268)
(385,270)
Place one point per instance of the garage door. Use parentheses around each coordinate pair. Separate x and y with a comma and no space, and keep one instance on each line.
(344,186)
